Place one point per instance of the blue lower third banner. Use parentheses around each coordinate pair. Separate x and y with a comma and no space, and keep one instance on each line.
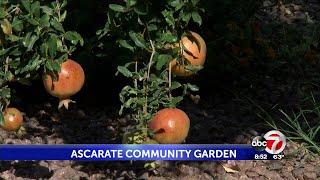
(116,152)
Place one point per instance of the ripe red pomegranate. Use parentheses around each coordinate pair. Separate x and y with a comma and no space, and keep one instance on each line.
(70,81)
(12,119)
(171,126)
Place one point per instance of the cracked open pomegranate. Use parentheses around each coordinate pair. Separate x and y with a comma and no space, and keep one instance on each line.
(194,52)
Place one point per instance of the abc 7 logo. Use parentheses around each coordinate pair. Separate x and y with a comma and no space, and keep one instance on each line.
(273,142)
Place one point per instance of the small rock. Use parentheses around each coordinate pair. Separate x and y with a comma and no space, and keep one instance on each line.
(244,177)
(245,165)
(317,168)
(262,170)
(38,140)
(209,167)
(310,175)
(44,164)
(97,176)
(144,176)
(297,172)
(253,132)
(287,174)
(221,171)
(275,165)
(189,170)
(7,175)
(273,175)
(267,3)
(309,168)
(59,141)
(230,177)
(203,176)
(81,113)
(26,141)
(252,174)
(239,139)
(68,173)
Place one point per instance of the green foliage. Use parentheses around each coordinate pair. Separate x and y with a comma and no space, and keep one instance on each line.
(150,32)
(35,38)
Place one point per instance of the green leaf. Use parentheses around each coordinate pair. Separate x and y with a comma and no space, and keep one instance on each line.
(195,2)
(152,27)
(26,4)
(79,38)
(33,39)
(168,37)
(13,38)
(125,44)
(17,25)
(44,21)
(57,25)
(46,10)
(186,17)
(177,4)
(71,36)
(44,48)
(52,42)
(175,101)
(131,3)
(130,101)
(117,7)
(197,18)
(74,37)
(138,39)
(192,87)
(63,16)
(162,60)
(33,21)
(35,9)
(169,17)
(140,10)
(5,92)
(175,85)
(124,71)
(2,123)
(24,81)
(49,64)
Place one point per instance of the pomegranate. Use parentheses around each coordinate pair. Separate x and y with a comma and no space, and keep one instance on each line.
(171,126)
(12,119)
(69,82)
(194,44)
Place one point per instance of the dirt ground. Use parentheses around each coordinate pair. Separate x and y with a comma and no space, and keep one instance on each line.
(46,125)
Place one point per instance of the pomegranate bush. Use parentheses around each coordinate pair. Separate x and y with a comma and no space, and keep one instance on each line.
(32,36)
(157,35)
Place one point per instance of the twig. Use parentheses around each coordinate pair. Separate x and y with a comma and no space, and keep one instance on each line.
(151,57)
(135,80)
(170,96)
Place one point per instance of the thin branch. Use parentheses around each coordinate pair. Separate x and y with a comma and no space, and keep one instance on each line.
(151,57)
(170,96)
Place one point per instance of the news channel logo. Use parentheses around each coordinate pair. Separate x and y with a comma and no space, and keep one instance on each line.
(272,142)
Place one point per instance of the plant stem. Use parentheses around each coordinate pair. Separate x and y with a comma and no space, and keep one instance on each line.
(145,108)
(151,58)
(135,80)
(170,96)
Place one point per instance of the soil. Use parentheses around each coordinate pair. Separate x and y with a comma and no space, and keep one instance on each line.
(45,124)
(215,120)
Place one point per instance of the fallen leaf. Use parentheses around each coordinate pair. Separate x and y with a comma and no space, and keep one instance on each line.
(231,167)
